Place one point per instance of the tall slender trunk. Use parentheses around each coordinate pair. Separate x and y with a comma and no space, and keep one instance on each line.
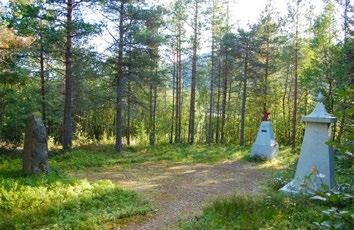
(244,94)
(173,101)
(154,104)
(224,97)
(68,123)
(211,100)
(265,89)
(194,78)
(177,139)
(289,112)
(349,80)
(119,81)
(284,129)
(152,112)
(128,112)
(180,86)
(294,116)
(42,75)
(217,136)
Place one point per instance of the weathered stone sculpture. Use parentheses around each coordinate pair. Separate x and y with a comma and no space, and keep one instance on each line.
(315,167)
(265,145)
(35,152)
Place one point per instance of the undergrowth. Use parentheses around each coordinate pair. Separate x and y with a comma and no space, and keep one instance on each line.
(275,210)
(56,201)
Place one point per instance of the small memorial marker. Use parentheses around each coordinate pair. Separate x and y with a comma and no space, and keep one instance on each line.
(265,145)
(35,151)
(315,167)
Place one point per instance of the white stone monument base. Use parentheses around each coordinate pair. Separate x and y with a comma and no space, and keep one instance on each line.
(309,185)
(265,145)
(315,167)
(265,151)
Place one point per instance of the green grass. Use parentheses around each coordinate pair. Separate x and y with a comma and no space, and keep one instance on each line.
(255,212)
(92,156)
(274,210)
(56,201)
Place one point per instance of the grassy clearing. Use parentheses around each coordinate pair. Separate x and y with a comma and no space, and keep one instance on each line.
(55,201)
(92,156)
(250,212)
(275,210)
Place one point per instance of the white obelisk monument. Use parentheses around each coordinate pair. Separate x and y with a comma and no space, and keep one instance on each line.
(315,167)
(265,145)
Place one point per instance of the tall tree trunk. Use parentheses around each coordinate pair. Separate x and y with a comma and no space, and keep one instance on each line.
(154,103)
(194,77)
(294,116)
(224,97)
(289,112)
(265,89)
(177,139)
(42,75)
(179,86)
(153,95)
(173,101)
(119,81)
(211,100)
(217,136)
(243,106)
(128,112)
(68,123)
(284,96)
(347,75)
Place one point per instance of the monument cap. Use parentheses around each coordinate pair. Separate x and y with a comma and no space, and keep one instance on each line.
(319,114)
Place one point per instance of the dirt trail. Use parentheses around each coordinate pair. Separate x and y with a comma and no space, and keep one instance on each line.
(180,191)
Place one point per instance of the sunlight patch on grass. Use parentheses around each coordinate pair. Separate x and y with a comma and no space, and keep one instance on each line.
(253,212)
(283,160)
(50,202)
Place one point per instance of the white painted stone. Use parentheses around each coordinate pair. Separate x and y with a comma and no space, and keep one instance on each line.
(265,145)
(316,156)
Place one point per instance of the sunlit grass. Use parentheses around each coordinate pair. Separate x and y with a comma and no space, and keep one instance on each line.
(104,155)
(59,201)
(56,201)
(255,212)
(276,210)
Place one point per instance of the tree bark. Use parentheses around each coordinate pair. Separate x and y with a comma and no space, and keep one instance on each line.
(211,100)
(347,75)
(120,82)
(294,115)
(194,78)
(265,109)
(244,94)
(42,76)
(68,123)
(179,85)
(217,136)
(128,112)
(224,97)
(173,101)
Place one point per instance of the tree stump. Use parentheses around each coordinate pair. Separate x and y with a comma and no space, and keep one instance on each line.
(35,151)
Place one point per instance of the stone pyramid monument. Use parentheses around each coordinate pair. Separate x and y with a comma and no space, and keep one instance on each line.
(315,167)
(265,145)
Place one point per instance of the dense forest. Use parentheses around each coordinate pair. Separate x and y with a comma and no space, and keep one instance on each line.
(182,72)
(140,114)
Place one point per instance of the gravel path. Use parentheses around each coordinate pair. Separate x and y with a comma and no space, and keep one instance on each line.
(180,191)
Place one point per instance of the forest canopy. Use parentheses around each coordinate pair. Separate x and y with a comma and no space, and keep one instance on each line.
(176,72)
